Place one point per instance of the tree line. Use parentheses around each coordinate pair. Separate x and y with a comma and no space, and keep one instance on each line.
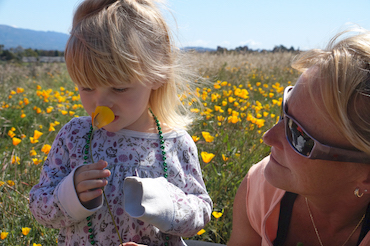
(16,54)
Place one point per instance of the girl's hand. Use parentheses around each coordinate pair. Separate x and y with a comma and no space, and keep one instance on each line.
(131,244)
(88,181)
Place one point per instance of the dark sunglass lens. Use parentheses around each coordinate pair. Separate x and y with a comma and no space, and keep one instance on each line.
(300,141)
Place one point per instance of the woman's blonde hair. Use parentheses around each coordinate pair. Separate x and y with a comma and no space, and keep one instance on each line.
(114,42)
(343,75)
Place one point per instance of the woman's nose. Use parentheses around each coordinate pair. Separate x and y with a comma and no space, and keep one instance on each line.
(275,135)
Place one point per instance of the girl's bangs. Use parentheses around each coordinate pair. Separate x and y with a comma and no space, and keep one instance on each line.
(90,67)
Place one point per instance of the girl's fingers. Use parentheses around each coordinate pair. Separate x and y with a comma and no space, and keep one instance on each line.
(91,171)
(91,175)
(89,195)
(88,185)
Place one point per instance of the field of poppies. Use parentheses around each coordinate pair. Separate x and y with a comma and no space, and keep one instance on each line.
(238,104)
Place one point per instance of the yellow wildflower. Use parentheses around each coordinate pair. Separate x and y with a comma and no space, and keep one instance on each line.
(3,235)
(37,134)
(201,232)
(11,134)
(26,230)
(216,214)
(224,157)
(16,141)
(207,136)
(46,148)
(33,140)
(15,159)
(2,183)
(33,152)
(195,138)
(207,157)
(36,161)
(10,182)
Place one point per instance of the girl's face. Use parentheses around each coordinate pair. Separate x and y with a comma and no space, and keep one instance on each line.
(129,103)
(290,171)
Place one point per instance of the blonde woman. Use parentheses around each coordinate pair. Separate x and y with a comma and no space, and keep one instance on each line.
(314,187)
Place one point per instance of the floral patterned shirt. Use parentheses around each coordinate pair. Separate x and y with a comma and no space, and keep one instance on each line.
(176,206)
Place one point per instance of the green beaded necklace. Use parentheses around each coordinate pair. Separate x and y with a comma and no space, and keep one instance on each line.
(86,157)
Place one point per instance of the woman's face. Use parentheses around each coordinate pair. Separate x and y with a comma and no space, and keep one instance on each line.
(290,171)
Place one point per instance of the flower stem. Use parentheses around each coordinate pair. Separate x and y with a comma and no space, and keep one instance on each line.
(105,197)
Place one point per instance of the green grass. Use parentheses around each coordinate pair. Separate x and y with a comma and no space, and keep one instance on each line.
(236,145)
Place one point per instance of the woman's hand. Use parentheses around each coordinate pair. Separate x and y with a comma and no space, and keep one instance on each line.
(88,181)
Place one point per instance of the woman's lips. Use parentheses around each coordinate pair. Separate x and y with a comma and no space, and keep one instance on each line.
(274,160)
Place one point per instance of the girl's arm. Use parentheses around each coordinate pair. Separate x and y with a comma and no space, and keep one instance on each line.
(54,201)
(180,207)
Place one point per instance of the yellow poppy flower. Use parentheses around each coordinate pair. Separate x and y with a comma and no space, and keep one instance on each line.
(10,182)
(37,134)
(11,134)
(33,140)
(46,148)
(16,141)
(15,159)
(102,116)
(36,161)
(201,232)
(195,138)
(26,230)
(33,152)
(207,157)
(3,235)
(207,136)
(216,214)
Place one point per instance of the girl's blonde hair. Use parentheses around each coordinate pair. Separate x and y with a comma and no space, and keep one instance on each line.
(114,42)
(343,76)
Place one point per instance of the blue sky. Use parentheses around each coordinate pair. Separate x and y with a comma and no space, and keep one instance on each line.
(259,24)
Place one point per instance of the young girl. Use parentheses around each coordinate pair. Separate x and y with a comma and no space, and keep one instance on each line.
(120,56)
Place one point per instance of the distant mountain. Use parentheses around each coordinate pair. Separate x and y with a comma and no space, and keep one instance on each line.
(12,37)
(198,49)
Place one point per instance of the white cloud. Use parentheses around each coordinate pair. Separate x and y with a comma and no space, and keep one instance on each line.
(198,43)
(251,43)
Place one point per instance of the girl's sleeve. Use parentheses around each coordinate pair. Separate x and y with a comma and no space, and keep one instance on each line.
(53,201)
(180,208)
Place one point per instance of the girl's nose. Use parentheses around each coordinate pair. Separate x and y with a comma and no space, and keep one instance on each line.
(103,98)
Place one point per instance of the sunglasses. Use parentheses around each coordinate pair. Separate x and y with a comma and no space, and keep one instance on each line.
(305,145)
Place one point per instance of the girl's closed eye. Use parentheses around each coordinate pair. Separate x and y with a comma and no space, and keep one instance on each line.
(120,89)
(87,89)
